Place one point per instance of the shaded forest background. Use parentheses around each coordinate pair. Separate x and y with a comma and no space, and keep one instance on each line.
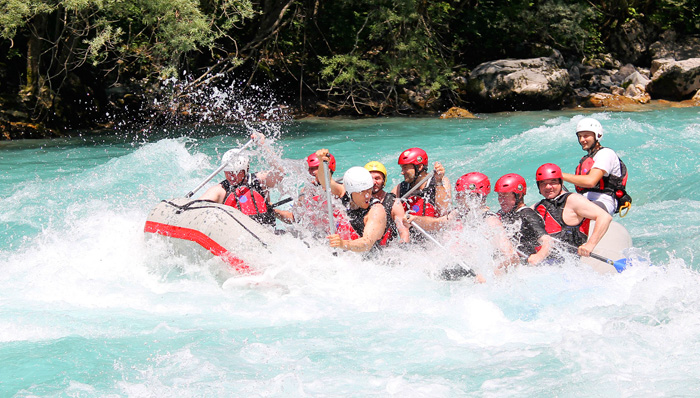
(82,63)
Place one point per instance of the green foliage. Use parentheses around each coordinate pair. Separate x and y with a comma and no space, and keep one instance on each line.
(682,16)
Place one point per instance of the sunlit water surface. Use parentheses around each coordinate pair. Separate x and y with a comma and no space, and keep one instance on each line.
(89,307)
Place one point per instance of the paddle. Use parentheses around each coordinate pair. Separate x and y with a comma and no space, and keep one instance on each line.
(620,265)
(465,268)
(234,151)
(421,182)
(327,177)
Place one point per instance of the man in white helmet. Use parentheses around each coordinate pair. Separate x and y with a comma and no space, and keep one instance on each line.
(600,174)
(366,214)
(248,192)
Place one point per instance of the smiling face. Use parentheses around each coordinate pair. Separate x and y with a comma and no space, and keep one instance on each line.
(550,188)
(378,181)
(408,172)
(586,139)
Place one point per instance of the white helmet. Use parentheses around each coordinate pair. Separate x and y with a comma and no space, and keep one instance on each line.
(592,125)
(357,179)
(235,162)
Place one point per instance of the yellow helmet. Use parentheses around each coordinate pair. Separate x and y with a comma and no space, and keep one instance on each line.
(376,166)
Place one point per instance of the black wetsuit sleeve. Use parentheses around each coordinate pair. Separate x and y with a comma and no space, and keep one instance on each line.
(533,223)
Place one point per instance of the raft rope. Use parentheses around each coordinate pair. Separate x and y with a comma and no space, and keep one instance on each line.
(188,206)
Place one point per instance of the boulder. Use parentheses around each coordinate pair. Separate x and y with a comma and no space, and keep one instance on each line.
(670,46)
(631,41)
(674,80)
(604,100)
(519,84)
(457,113)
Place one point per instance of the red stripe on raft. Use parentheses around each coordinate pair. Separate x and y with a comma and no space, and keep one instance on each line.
(198,237)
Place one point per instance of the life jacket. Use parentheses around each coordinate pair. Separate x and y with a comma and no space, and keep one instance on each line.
(357,217)
(422,201)
(551,211)
(342,223)
(531,228)
(611,185)
(391,230)
(248,197)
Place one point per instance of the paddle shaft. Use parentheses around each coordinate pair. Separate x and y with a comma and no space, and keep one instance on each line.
(466,268)
(327,177)
(421,182)
(217,171)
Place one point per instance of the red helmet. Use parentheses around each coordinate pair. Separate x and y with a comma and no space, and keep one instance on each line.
(474,182)
(547,171)
(312,160)
(414,156)
(511,183)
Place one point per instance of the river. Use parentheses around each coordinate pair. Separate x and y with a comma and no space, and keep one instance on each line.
(92,308)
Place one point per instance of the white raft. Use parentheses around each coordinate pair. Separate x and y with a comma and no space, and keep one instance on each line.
(222,230)
(613,246)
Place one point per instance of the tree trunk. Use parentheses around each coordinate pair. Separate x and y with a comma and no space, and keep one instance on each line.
(37,26)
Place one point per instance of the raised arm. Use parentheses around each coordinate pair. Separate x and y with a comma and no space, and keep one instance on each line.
(443,189)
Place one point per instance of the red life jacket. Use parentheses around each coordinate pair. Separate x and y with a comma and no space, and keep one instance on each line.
(247,198)
(609,184)
(342,224)
(552,211)
(422,202)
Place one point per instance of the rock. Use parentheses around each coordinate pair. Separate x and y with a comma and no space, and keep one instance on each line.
(670,46)
(631,41)
(636,78)
(622,73)
(604,100)
(519,84)
(457,113)
(602,61)
(674,80)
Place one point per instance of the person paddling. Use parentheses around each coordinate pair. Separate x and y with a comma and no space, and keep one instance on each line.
(248,192)
(567,215)
(432,197)
(600,176)
(532,240)
(366,214)
(472,190)
(394,210)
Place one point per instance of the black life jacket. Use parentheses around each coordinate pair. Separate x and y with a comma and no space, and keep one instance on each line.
(611,185)
(422,201)
(551,211)
(357,216)
(391,230)
(531,228)
(250,198)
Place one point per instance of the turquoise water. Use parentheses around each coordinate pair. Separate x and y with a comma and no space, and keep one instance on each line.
(91,308)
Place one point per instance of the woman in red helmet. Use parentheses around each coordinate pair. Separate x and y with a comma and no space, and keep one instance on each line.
(533,242)
(567,215)
(432,198)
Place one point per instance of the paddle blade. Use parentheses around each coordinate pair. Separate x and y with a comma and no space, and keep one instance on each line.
(621,264)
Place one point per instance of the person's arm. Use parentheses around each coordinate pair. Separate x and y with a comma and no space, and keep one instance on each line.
(428,223)
(501,242)
(443,190)
(586,209)
(398,214)
(374,230)
(215,193)
(589,180)
(545,247)
(336,189)
(285,216)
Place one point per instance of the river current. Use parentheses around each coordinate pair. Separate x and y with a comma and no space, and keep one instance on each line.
(90,307)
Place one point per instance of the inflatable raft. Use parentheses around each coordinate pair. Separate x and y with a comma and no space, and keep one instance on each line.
(222,230)
(613,246)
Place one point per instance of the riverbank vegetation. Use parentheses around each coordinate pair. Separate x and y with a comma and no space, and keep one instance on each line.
(78,63)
